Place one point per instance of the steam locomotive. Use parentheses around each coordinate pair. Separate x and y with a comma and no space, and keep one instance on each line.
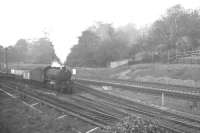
(55,78)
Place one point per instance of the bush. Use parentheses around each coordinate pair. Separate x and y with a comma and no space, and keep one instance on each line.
(136,125)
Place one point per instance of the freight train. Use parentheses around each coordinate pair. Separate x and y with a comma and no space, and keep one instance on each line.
(56,78)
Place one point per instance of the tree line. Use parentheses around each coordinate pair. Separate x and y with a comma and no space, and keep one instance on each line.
(176,31)
(40,51)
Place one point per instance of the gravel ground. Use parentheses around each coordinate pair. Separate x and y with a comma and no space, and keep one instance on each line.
(16,117)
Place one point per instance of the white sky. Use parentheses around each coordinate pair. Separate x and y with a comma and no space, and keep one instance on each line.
(66,19)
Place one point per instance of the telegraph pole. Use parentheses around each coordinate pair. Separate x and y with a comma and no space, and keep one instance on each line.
(168,62)
(6,59)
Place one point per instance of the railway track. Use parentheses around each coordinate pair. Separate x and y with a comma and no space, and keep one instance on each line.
(169,119)
(164,86)
(111,109)
(148,84)
(145,89)
(70,107)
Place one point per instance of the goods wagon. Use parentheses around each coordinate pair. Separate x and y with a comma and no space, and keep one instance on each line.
(37,74)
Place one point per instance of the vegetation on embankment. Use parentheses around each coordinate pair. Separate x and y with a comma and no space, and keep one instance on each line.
(136,125)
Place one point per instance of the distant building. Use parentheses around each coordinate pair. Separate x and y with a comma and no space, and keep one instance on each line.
(115,64)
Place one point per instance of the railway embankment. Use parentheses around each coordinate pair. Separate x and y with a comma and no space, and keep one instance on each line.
(176,74)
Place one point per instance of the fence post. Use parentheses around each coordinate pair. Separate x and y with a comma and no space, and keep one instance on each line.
(163,99)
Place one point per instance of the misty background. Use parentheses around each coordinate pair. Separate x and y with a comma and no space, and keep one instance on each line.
(172,30)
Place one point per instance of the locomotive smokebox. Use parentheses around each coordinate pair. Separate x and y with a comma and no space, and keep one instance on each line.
(60,77)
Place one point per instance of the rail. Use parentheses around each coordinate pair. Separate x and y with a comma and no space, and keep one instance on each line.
(140,88)
(93,117)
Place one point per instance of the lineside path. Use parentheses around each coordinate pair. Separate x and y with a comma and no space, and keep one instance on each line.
(143,88)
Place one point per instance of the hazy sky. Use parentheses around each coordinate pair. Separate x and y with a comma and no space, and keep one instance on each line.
(66,19)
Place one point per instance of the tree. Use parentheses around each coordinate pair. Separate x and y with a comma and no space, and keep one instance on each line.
(1,54)
(178,24)
(21,48)
(39,51)
(83,53)
(128,33)
(99,45)
(42,51)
